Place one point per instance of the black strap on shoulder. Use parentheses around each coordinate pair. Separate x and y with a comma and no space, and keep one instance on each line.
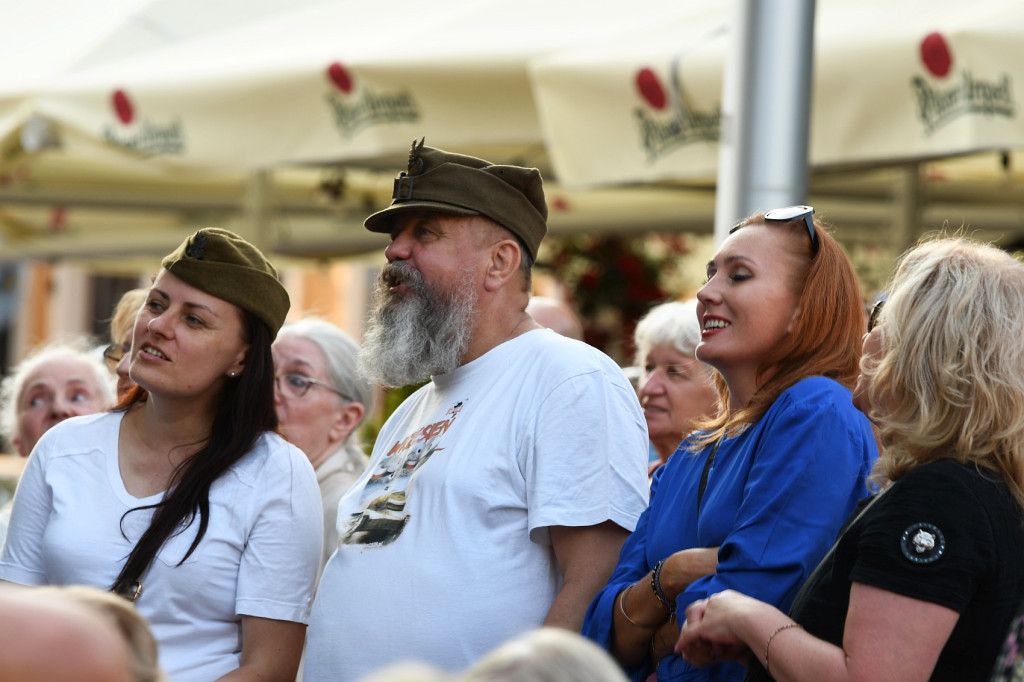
(707,467)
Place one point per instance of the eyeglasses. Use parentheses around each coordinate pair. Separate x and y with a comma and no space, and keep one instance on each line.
(876,311)
(791,213)
(296,385)
(113,353)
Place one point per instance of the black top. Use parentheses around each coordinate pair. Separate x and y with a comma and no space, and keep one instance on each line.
(944,533)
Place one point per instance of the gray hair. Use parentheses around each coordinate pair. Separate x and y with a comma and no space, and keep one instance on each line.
(341,352)
(670,324)
(13,383)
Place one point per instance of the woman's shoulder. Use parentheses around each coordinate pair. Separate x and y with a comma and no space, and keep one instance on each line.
(818,395)
(818,387)
(947,472)
(272,458)
(957,489)
(556,355)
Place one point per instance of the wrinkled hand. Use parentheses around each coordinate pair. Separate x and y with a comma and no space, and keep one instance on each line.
(706,636)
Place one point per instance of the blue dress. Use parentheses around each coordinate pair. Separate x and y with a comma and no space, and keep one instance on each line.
(775,499)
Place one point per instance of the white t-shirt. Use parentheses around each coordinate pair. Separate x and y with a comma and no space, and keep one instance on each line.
(444,548)
(259,556)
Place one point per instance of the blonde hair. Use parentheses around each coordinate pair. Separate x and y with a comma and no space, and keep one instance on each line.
(950,380)
(127,308)
(126,620)
(546,654)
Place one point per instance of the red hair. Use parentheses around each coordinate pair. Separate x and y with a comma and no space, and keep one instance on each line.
(827,329)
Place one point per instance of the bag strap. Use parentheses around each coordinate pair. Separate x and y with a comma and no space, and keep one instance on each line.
(707,468)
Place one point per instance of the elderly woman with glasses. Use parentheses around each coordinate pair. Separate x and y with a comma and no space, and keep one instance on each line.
(321,402)
(924,581)
(753,498)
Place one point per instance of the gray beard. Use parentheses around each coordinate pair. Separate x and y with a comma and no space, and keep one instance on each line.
(413,336)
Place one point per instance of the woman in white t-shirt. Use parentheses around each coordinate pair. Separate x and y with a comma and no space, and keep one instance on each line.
(184,500)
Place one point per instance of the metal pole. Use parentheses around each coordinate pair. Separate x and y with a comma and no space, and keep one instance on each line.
(766,100)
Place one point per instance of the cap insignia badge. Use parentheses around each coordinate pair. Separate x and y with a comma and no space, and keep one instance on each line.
(198,245)
(415,162)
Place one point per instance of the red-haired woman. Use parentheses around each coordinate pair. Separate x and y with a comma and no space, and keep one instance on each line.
(752,500)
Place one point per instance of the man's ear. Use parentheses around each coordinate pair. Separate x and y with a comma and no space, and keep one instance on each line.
(503,264)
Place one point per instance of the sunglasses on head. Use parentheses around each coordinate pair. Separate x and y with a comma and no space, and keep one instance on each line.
(876,311)
(788,215)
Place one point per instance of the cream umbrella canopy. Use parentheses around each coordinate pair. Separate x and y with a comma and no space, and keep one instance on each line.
(331,82)
(328,92)
(893,82)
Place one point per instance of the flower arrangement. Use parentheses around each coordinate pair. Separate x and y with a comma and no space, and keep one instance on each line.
(612,280)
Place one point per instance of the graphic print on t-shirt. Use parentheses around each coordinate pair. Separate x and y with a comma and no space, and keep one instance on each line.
(381,516)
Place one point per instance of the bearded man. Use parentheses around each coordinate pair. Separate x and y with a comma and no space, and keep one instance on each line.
(499,494)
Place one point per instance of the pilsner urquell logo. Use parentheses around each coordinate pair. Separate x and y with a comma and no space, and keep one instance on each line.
(667,119)
(145,138)
(354,112)
(949,95)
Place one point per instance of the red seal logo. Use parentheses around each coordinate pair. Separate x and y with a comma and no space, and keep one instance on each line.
(935,54)
(340,76)
(650,88)
(122,106)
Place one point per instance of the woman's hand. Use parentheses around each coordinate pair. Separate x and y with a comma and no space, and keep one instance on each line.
(664,639)
(708,635)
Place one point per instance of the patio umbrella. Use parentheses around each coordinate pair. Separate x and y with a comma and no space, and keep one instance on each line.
(894,82)
(330,82)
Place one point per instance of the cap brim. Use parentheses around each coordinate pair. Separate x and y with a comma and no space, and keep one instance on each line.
(383,221)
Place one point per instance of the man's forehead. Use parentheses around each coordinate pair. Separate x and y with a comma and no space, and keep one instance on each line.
(437,219)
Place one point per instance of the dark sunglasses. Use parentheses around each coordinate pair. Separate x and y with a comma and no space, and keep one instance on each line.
(791,213)
(876,311)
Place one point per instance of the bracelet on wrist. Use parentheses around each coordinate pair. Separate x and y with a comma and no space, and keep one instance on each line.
(622,610)
(656,587)
(772,636)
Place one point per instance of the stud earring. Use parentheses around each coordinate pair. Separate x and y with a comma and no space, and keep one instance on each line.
(232,374)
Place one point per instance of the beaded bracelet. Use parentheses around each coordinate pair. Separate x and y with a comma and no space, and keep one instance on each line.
(656,587)
(771,637)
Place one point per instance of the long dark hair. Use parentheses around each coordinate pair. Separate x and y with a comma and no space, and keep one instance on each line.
(245,410)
